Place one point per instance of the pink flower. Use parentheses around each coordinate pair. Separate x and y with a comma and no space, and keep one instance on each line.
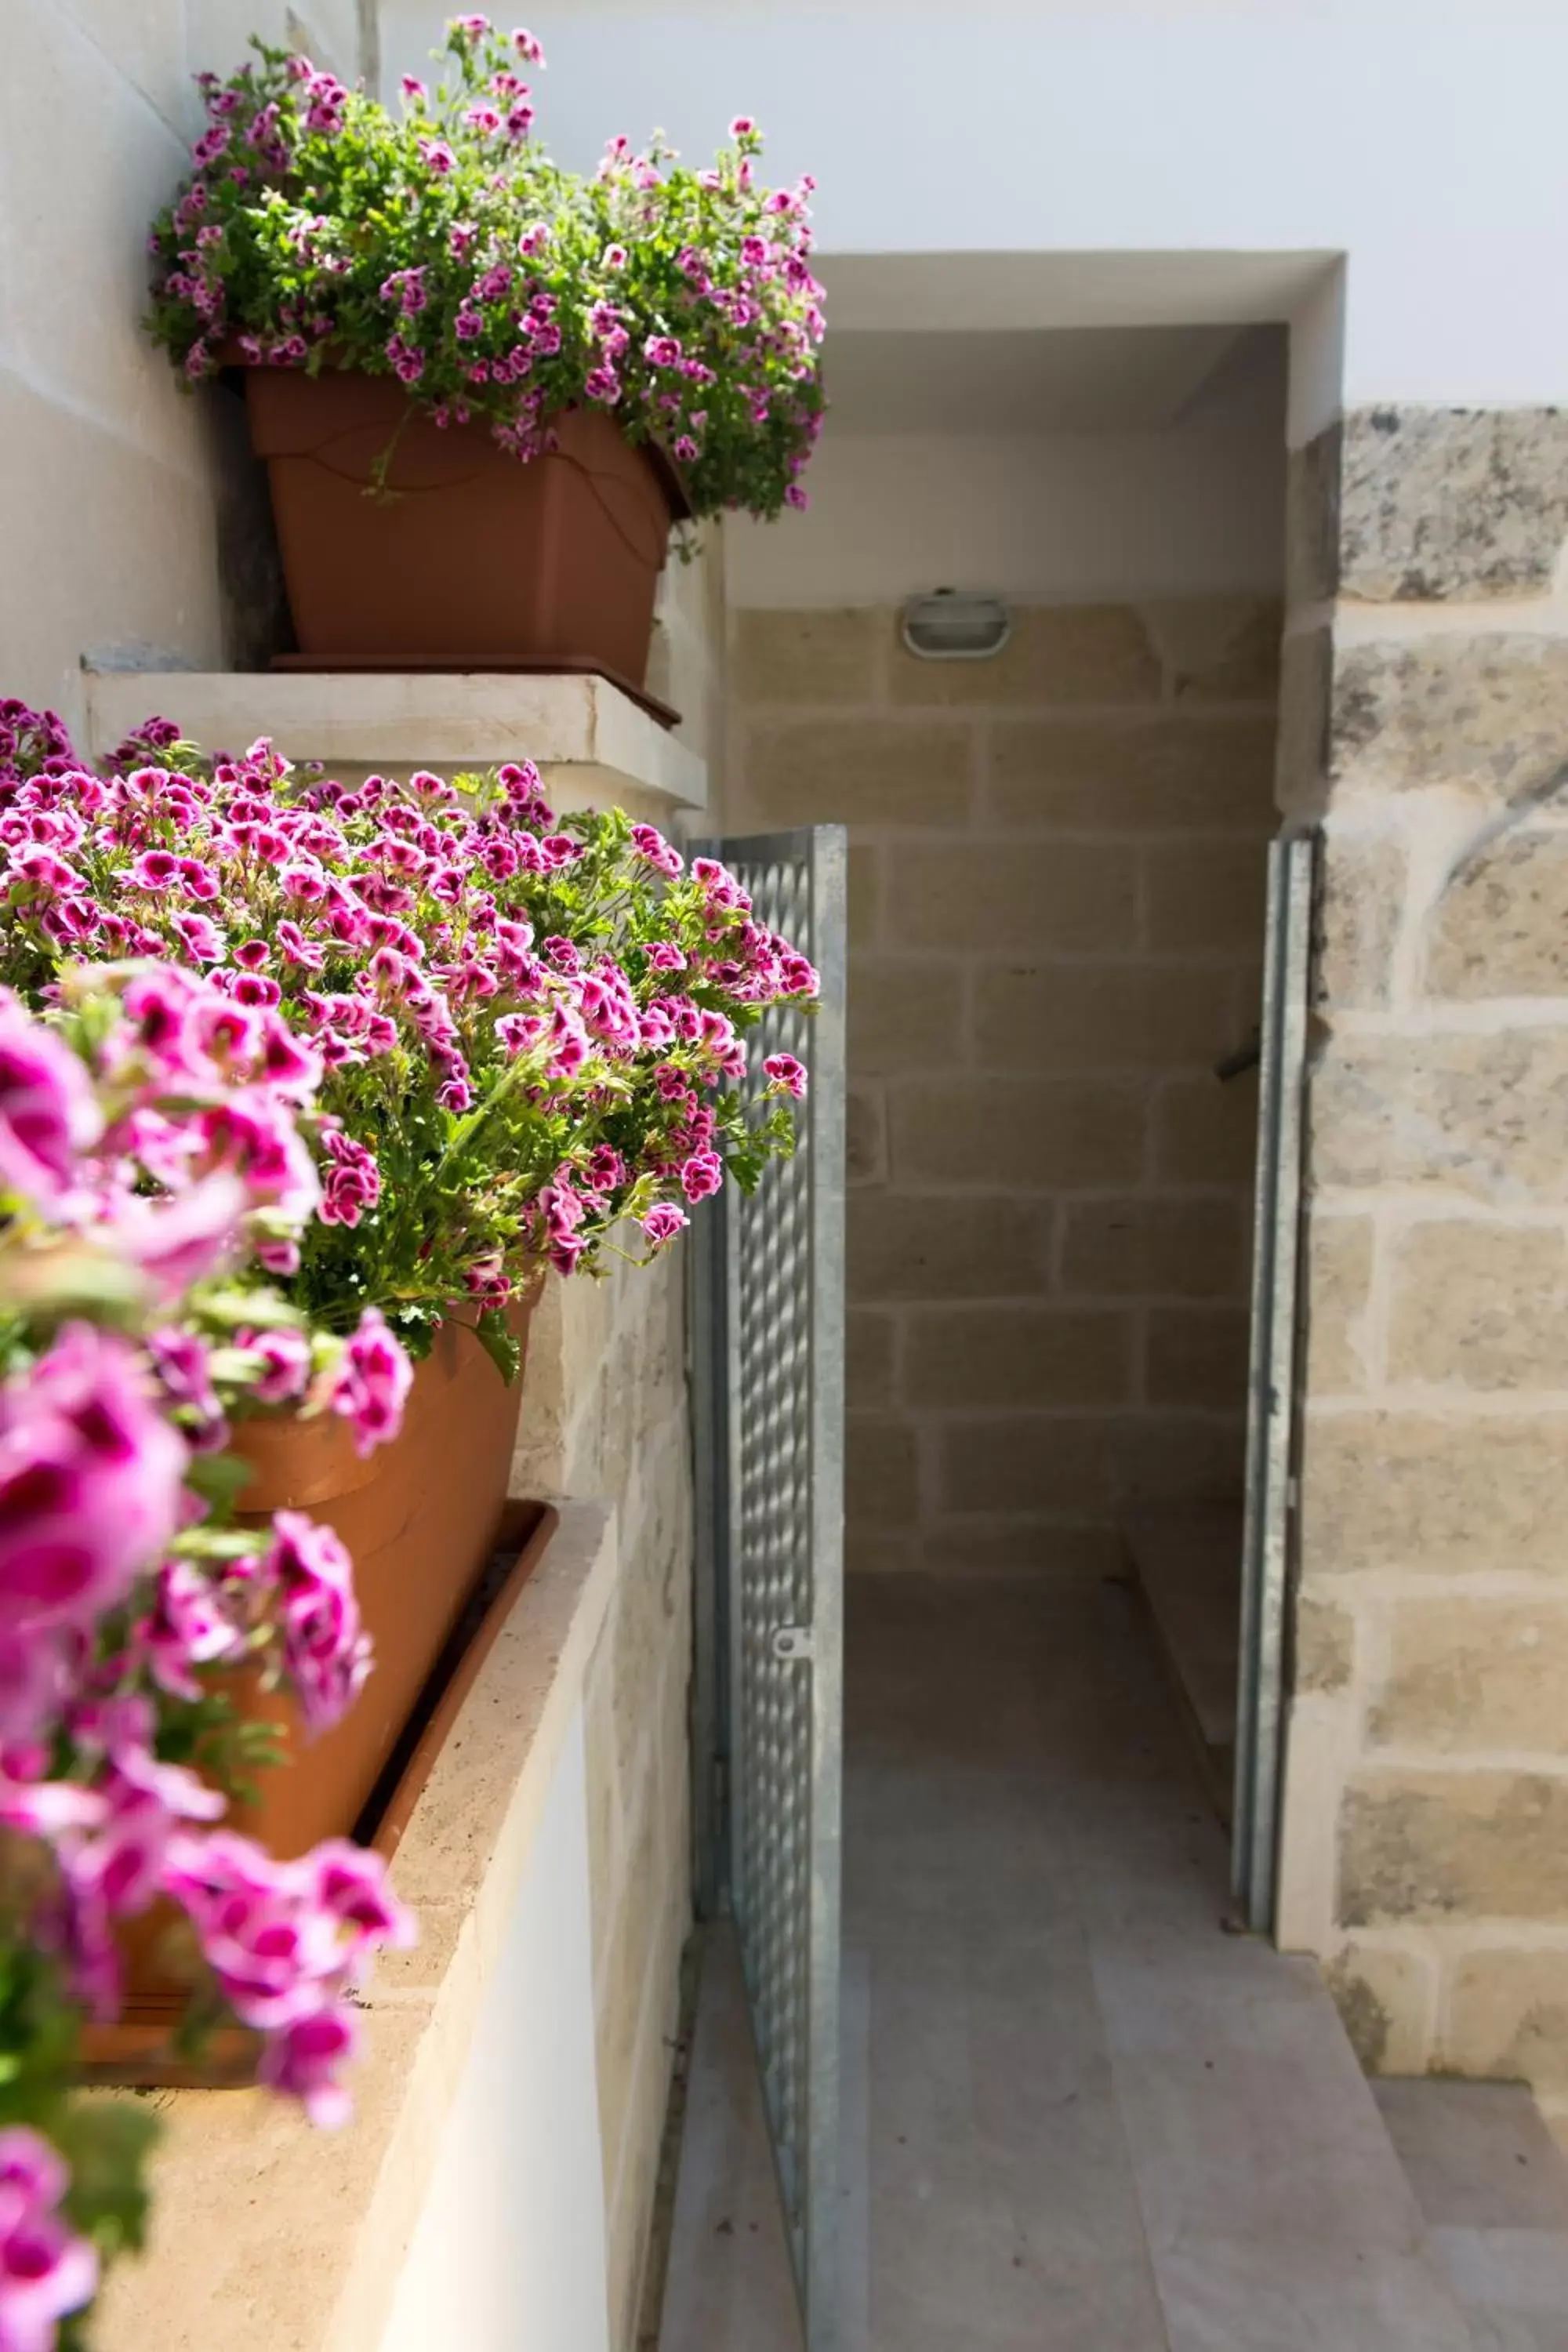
(48,1114)
(304,2059)
(487,1278)
(91,1481)
(701,1175)
(178,1242)
(520,1031)
(155,870)
(371,1384)
(281,1936)
(33,1685)
(351,1181)
(787,1075)
(187,1627)
(270,1947)
(181,1359)
(663,1221)
(720,887)
(200,938)
(45,2270)
(650,844)
(285,1358)
(299,949)
(114,1868)
(325,1655)
(350,1885)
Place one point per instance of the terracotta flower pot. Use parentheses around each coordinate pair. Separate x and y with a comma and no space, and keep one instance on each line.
(476,561)
(420,1517)
(141,2046)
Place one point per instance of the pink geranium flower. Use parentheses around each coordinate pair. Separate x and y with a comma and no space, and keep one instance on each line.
(47,2271)
(91,1478)
(371,1384)
(48,1112)
(326,1655)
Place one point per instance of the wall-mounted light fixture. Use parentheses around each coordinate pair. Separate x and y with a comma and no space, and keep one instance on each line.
(956,625)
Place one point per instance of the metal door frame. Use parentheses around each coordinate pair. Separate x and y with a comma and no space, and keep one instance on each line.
(808,2177)
(1271,1401)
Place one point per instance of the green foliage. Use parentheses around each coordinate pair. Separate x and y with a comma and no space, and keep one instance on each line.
(446,249)
(105,2142)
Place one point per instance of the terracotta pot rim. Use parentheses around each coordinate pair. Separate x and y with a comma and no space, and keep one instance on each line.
(232,360)
(272,1443)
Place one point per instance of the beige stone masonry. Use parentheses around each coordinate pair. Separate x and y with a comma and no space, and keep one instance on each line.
(1425,725)
(1055,931)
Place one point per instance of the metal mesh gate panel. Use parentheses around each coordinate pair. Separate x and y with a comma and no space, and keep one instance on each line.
(777,1326)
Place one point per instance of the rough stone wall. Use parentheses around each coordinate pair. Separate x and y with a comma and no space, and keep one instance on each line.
(1056,885)
(605,1415)
(1426,722)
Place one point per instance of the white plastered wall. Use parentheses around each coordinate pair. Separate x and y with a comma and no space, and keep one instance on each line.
(1193,507)
(1247,142)
(510,2247)
(110,480)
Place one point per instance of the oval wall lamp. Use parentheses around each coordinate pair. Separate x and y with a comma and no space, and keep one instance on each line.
(956,625)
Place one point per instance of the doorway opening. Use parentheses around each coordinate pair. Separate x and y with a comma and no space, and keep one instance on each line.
(1058,893)
(1059,860)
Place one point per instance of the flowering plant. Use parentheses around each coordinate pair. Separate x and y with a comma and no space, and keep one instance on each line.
(148,1147)
(444,248)
(525,1031)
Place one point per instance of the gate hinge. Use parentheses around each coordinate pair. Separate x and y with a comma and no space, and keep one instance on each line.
(794,1641)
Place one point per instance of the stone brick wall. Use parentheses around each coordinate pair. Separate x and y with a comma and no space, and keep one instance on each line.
(1056,923)
(605,1415)
(1425,1837)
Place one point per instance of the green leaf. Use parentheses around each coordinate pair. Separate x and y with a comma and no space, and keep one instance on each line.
(501,1343)
(218,1478)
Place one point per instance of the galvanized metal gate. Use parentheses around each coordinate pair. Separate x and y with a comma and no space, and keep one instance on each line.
(768,1319)
(1271,1382)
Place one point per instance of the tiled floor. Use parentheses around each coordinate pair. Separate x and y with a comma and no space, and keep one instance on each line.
(1080,2116)
(1492,2186)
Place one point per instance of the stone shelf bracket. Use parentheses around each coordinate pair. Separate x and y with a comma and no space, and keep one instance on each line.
(592,744)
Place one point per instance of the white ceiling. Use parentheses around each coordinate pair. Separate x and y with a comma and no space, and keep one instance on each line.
(1018,380)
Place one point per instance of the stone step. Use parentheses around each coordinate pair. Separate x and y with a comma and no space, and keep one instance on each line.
(1186,1562)
(1492,2186)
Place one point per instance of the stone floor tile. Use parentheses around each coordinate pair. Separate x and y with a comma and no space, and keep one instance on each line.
(1477,2155)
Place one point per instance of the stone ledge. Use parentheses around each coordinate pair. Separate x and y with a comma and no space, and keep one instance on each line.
(267,2232)
(593,743)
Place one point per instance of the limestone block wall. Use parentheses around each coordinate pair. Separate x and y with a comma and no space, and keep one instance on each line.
(1426,1837)
(1057,882)
(605,1415)
(132,514)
